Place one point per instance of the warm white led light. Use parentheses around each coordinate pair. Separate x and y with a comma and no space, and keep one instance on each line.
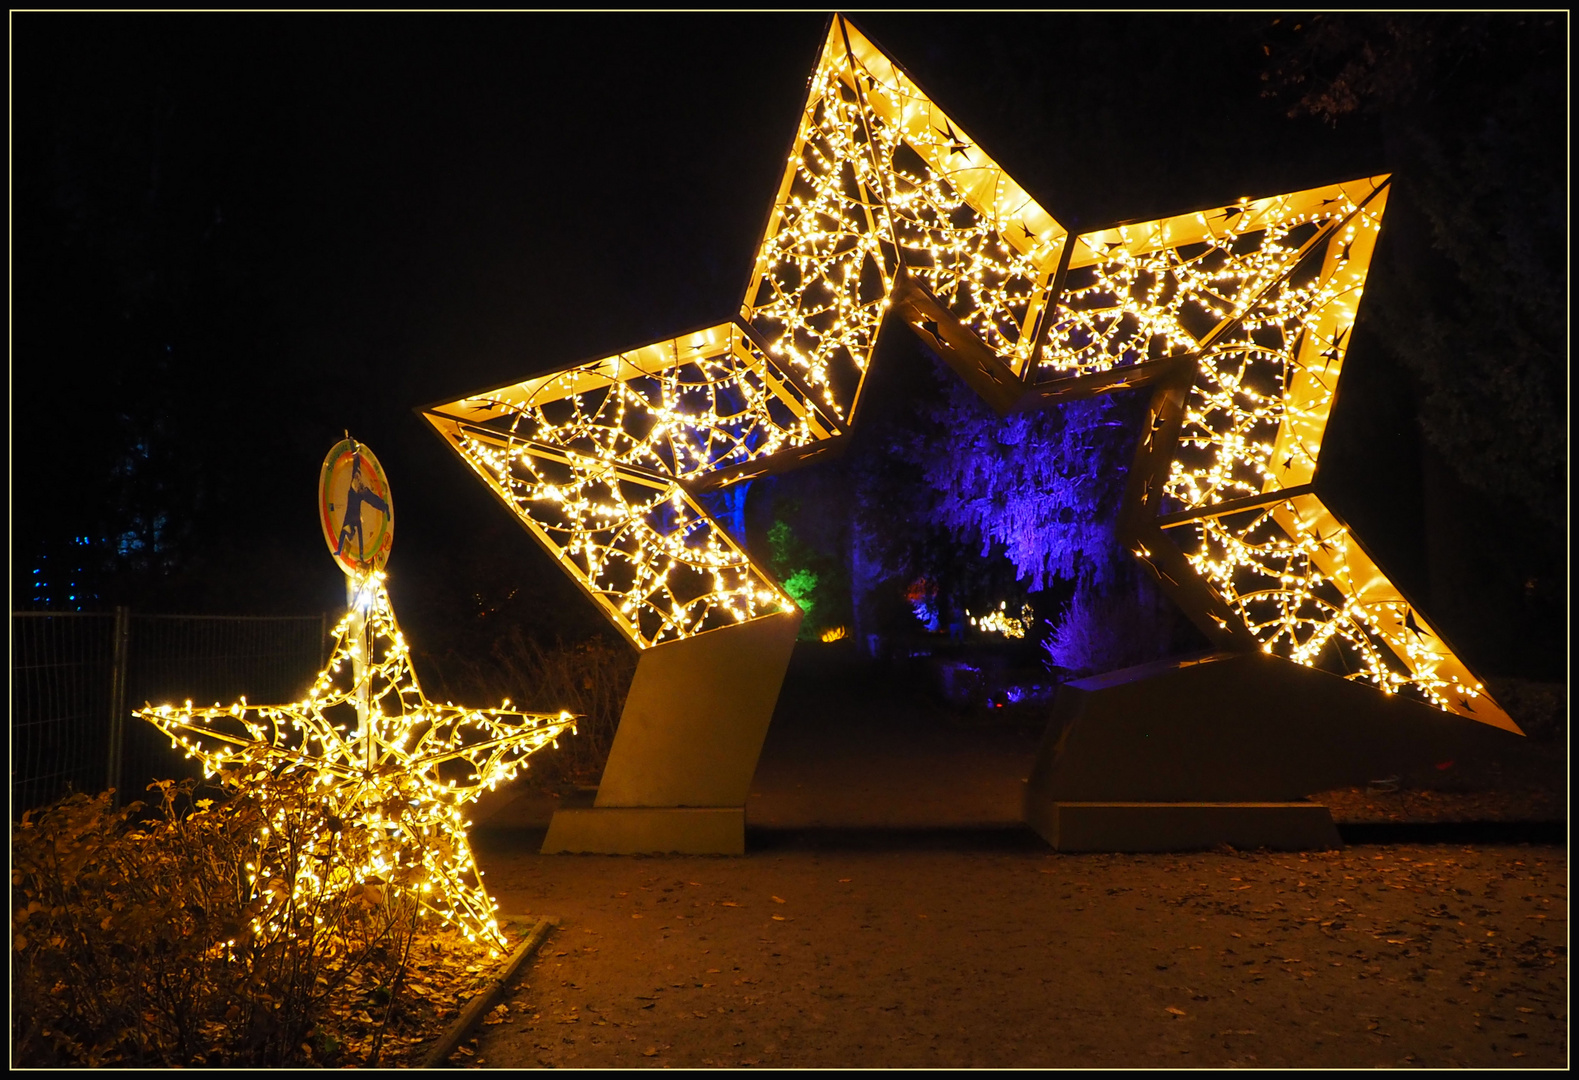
(391,764)
(885,197)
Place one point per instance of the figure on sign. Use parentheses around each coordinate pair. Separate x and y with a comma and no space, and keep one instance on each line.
(355,508)
(359,494)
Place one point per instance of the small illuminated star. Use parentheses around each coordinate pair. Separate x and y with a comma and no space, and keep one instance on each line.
(392,766)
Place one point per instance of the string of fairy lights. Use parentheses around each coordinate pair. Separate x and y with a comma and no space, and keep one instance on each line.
(390,770)
(594,458)
(879,177)
(825,270)
(882,188)
(966,232)
(1001,622)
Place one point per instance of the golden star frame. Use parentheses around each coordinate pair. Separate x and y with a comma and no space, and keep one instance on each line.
(392,766)
(1239,317)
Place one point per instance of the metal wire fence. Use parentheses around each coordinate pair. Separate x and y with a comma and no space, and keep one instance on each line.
(75,677)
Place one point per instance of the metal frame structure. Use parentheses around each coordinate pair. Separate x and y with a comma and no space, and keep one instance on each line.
(391,764)
(1239,317)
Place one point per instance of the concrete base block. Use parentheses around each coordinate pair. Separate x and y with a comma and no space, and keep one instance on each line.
(1237,728)
(639,830)
(1150,826)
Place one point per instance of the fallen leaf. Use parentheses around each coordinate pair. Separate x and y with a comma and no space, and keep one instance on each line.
(780,918)
(1175,1011)
(779,900)
(844,880)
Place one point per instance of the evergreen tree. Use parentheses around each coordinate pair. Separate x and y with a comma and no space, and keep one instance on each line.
(1043,488)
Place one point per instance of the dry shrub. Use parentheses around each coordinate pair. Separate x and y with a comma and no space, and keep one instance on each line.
(590,678)
(1103,632)
(140,939)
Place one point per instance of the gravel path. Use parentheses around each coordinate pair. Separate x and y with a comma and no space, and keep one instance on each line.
(892,911)
(1431,956)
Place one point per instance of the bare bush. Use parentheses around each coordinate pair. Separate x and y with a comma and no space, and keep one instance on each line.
(148,939)
(1103,632)
(589,678)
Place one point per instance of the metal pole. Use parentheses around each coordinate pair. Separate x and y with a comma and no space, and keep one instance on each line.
(359,672)
(117,740)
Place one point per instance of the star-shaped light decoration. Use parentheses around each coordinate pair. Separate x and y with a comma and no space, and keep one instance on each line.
(1239,317)
(387,764)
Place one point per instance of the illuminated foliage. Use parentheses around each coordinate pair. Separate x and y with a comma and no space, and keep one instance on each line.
(1239,317)
(1042,487)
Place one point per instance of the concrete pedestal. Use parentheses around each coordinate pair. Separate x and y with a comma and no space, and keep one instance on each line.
(688,742)
(1219,749)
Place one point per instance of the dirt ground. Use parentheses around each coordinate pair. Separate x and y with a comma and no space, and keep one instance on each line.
(892,911)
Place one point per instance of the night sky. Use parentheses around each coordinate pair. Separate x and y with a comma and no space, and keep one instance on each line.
(237,236)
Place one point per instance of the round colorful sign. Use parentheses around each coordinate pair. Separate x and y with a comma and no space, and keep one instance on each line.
(354,508)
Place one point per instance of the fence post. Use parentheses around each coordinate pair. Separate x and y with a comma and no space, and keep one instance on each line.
(117,745)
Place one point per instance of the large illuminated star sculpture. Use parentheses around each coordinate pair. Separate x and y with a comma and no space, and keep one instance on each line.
(1239,317)
(386,765)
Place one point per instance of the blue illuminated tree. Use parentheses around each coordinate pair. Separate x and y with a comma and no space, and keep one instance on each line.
(1041,488)
(1038,492)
